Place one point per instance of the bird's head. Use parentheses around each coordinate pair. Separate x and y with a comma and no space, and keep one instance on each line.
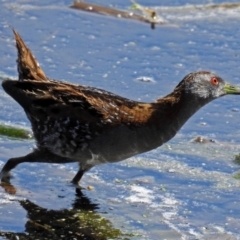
(206,86)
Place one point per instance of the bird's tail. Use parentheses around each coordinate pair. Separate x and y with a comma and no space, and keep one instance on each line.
(28,66)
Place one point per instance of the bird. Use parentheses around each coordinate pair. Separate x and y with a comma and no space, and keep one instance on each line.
(92,126)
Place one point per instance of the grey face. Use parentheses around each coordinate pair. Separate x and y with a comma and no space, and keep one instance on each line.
(204,85)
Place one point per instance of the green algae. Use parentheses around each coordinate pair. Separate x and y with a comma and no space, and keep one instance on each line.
(14,131)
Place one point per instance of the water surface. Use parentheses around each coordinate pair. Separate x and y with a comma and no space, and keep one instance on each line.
(182,190)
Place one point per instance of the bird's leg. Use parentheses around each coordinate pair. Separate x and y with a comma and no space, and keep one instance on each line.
(80,173)
(9,165)
(35,156)
(5,173)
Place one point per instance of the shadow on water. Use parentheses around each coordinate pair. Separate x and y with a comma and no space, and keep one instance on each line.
(79,222)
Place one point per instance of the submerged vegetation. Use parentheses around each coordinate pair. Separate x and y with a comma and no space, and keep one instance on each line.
(15,132)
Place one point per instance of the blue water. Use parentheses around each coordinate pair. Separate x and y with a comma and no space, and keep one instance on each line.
(182,190)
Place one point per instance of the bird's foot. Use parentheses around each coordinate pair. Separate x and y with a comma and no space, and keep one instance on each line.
(5,183)
(8,188)
(77,186)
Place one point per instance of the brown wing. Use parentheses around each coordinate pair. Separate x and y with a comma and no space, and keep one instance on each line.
(58,99)
(28,66)
(42,97)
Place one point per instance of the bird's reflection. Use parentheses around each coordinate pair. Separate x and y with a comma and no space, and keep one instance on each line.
(82,221)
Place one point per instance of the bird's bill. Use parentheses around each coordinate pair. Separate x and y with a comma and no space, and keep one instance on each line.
(230,89)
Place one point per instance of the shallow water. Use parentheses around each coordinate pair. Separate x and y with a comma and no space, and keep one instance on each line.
(182,190)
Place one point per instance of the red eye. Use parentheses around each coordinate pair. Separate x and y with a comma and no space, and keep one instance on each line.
(214,81)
